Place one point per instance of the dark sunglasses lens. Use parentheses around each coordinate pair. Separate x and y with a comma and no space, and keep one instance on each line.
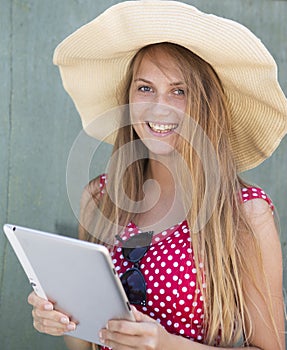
(134,286)
(134,254)
(135,248)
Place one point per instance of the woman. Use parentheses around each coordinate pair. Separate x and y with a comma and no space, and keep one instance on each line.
(190,126)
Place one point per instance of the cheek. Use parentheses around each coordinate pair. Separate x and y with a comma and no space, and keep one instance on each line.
(138,128)
(139,112)
(132,96)
(180,104)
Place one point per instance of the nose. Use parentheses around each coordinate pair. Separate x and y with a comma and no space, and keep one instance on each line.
(161,98)
(160,107)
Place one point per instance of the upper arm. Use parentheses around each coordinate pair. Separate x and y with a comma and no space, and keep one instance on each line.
(88,204)
(269,292)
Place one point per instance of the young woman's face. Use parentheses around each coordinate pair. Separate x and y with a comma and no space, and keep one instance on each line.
(158,102)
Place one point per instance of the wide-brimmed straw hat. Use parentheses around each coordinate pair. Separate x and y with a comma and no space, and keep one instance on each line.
(94,59)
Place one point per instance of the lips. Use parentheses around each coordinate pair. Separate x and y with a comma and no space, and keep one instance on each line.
(162,128)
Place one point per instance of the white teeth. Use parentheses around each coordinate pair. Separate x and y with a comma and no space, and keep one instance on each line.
(162,127)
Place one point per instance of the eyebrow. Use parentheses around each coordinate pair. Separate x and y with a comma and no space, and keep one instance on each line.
(150,82)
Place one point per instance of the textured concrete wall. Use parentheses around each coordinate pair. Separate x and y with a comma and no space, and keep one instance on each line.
(39,125)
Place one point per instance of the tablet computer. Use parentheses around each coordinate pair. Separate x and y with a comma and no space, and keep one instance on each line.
(78,277)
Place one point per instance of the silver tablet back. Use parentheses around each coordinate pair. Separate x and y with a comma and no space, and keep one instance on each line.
(79,277)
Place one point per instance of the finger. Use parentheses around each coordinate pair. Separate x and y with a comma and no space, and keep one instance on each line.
(48,328)
(46,319)
(118,341)
(54,316)
(132,328)
(52,322)
(125,327)
(36,301)
(139,316)
(136,313)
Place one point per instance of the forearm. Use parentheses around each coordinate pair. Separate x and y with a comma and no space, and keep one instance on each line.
(77,344)
(179,342)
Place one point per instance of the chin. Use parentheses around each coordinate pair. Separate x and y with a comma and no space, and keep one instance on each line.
(159,148)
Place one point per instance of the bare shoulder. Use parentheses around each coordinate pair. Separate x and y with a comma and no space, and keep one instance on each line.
(261,218)
(92,191)
(256,207)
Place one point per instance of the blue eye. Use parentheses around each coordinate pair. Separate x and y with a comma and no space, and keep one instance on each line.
(144,88)
(179,92)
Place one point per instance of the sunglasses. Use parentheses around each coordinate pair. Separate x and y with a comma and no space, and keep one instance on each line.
(133,250)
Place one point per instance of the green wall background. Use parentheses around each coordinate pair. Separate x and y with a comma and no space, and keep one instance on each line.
(38,125)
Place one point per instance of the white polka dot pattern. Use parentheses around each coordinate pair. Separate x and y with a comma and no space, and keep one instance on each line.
(172,295)
(249,193)
(173,298)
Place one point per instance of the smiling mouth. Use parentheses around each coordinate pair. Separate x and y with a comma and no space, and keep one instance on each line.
(162,128)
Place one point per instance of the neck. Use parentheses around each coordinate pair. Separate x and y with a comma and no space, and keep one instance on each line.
(163,171)
(162,204)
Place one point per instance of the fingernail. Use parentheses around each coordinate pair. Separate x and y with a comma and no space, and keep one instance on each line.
(71,327)
(48,307)
(65,320)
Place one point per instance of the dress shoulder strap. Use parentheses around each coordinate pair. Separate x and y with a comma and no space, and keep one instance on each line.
(102,182)
(248,193)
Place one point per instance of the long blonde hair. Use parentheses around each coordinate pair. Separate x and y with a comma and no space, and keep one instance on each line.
(217,239)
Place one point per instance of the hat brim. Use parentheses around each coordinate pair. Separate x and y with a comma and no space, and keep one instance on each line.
(94,60)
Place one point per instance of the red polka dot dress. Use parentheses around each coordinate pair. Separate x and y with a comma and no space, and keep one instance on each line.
(170,275)
(173,298)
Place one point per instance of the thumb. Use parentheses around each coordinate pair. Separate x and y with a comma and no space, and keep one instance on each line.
(140,317)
